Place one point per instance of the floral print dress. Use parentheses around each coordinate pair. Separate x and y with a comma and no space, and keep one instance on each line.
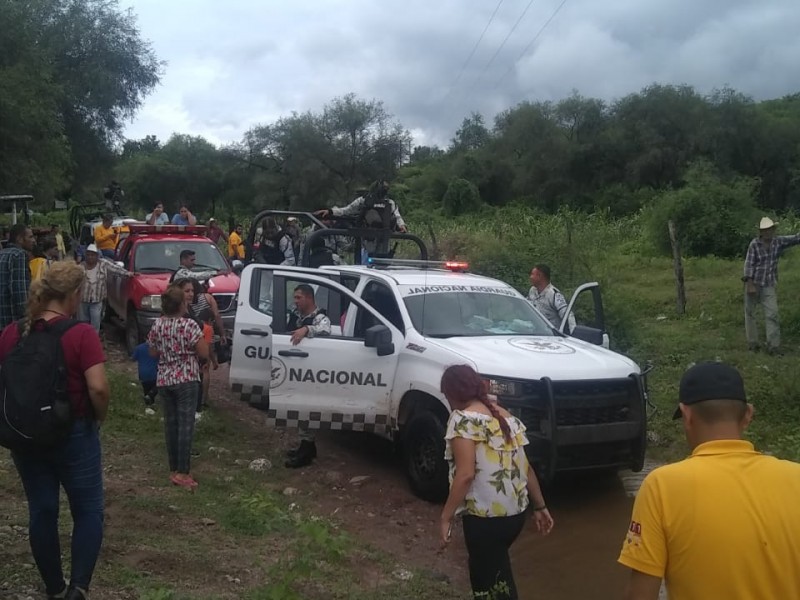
(501,467)
(176,340)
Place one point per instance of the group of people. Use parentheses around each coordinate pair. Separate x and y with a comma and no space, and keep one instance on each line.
(723,523)
(178,350)
(19,267)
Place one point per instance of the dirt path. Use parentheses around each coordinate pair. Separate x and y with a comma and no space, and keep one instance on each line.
(356,483)
(577,560)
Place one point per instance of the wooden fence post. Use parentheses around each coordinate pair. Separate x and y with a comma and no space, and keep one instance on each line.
(678,264)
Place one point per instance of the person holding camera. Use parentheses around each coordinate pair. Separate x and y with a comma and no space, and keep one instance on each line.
(105,236)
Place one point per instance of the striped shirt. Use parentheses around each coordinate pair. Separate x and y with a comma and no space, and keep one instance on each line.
(761,263)
(176,341)
(95,288)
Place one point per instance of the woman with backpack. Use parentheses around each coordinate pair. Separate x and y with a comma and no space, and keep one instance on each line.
(178,343)
(74,460)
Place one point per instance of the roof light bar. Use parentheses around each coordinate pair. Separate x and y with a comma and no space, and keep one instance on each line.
(449,265)
(190,229)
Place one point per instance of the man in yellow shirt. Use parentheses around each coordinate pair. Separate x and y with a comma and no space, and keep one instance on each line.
(105,236)
(235,245)
(725,522)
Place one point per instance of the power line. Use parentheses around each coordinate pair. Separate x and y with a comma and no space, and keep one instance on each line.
(475,47)
(502,45)
(532,42)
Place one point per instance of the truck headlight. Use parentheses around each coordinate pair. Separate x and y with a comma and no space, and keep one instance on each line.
(503,387)
(151,303)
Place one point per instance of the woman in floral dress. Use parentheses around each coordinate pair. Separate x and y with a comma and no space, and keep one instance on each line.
(491,482)
(178,342)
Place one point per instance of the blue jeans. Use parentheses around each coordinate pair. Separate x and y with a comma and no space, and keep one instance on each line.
(91,312)
(76,465)
(109,254)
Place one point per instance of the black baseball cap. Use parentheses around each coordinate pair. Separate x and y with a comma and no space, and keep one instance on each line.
(710,381)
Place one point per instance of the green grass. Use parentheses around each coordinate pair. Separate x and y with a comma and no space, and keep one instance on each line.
(261,544)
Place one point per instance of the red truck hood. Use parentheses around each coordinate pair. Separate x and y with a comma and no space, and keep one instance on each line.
(152,284)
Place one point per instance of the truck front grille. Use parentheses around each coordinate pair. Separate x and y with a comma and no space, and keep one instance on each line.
(587,402)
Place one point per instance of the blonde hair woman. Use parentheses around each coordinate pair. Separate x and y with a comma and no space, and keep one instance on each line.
(74,464)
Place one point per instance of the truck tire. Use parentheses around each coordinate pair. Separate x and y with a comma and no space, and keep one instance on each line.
(423,455)
(133,337)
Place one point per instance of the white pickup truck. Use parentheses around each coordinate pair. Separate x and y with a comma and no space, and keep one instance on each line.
(397,327)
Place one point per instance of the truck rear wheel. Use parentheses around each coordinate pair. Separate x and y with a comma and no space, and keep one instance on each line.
(423,454)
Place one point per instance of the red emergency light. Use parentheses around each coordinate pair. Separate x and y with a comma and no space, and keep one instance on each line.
(456,265)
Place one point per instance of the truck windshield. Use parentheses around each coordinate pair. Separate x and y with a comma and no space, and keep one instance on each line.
(461,314)
(164,256)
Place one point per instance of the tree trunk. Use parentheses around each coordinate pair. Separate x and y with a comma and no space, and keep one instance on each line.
(678,263)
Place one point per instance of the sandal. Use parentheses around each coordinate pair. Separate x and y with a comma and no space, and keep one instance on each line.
(183,480)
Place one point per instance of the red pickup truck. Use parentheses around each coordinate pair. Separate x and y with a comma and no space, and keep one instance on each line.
(151,253)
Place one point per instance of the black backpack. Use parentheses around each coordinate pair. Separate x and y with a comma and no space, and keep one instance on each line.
(35,409)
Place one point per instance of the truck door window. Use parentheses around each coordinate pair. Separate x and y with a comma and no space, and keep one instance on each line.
(381,298)
(327,299)
(261,291)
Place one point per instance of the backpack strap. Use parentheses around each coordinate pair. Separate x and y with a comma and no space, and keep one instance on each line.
(60,327)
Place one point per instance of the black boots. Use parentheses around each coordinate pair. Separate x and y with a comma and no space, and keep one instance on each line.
(302,456)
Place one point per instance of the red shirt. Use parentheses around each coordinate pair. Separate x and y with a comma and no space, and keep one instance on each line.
(82,350)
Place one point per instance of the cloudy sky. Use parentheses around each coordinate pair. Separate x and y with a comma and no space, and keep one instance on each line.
(237,63)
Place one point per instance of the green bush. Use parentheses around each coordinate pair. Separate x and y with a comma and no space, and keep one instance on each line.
(461,197)
(712,217)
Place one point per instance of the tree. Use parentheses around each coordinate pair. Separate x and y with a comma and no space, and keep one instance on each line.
(461,197)
(79,69)
(472,134)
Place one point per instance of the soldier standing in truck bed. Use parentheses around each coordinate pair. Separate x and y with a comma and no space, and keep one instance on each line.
(375,210)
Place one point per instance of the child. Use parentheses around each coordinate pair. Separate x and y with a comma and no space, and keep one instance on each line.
(148,373)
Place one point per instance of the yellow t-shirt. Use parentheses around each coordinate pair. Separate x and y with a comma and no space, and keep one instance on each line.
(724,523)
(235,247)
(37,266)
(105,237)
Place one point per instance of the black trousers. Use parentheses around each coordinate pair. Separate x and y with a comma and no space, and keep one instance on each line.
(488,540)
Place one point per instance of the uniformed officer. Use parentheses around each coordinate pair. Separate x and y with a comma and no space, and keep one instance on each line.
(375,210)
(546,298)
(306,321)
(276,246)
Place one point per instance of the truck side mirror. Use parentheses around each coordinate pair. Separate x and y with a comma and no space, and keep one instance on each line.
(379,337)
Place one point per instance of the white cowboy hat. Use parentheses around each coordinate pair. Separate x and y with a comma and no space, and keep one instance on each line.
(767,223)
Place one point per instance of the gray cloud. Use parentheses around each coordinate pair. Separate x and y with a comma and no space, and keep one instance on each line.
(232,65)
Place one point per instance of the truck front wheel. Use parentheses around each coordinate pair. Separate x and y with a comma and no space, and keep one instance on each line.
(133,336)
(423,453)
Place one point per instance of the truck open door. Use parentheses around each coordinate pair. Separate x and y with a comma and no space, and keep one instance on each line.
(586,305)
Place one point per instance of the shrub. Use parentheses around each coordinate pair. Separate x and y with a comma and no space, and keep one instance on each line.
(712,216)
(461,197)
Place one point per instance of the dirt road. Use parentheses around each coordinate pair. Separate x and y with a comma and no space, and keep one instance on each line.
(357,481)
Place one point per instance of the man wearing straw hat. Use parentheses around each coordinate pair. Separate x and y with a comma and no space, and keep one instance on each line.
(760,279)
